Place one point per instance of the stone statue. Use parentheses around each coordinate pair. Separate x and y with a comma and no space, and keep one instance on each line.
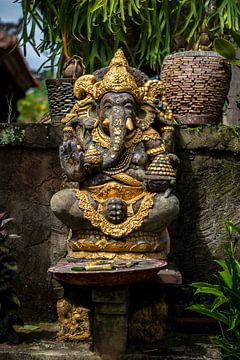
(118,144)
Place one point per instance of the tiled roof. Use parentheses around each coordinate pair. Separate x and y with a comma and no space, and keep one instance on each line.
(12,59)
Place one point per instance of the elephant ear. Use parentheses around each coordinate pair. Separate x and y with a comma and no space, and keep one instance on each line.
(145,116)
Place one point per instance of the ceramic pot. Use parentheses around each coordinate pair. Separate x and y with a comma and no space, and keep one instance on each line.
(197,84)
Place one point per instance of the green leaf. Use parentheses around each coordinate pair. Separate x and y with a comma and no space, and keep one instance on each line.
(234,322)
(205,288)
(227,278)
(236,37)
(219,302)
(15,300)
(225,48)
(203,309)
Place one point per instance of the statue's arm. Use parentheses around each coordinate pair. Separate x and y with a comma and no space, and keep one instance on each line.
(72,161)
(154,148)
(168,138)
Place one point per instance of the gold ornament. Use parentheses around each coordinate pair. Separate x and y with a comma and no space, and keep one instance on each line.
(152,90)
(129,194)
(98,220)
(93,155)
(68,129)
(161,166)
(75,322)
(84,86)
(150,134)
(104,140)
(156,151)
(126,179)
(118,79)
(136,242)
(149,115)
(114,256)
(167,129)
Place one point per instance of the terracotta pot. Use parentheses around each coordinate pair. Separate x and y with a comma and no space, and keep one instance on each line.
(197,84)
(60,97)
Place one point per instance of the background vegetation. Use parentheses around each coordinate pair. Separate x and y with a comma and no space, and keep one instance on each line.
(148,30)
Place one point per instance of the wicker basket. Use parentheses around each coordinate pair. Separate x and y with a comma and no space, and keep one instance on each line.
(60,97)
(197,84)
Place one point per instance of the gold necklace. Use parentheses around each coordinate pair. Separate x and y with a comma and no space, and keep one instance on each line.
(101,138)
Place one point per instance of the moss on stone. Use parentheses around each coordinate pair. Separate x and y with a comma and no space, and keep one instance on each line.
(10,135)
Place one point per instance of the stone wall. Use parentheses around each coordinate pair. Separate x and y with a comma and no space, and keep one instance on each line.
(29,175)
(209,192)
(208,189)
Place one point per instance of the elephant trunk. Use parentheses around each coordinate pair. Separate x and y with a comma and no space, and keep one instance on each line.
(117,131)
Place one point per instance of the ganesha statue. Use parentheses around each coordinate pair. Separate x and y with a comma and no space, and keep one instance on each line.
(118,148)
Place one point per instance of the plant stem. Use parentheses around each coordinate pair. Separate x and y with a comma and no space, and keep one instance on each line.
(65,48)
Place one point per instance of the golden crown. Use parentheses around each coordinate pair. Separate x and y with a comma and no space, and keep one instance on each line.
(117,79)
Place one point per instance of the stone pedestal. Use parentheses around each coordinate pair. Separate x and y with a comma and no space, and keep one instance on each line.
(110,321)
(110,316)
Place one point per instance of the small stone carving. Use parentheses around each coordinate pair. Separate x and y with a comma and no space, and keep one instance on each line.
(118,144)
(74,321)
(148,324)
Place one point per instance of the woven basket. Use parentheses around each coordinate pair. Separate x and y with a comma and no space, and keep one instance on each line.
(197,84)
(60,97)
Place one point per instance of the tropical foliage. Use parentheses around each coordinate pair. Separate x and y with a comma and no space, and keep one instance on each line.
(228,50)
(34,106)
(148,30)
(225,307)
(9,302)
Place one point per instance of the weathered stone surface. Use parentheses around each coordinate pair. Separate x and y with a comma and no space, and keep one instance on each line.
(209,193)
(207,186)
(38,343)
(41,136)
(214,138)
(28,179)
(110,320)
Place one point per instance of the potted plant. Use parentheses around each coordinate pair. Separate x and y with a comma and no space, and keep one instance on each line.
(197,80)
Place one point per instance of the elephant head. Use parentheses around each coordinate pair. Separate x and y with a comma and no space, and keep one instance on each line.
(117,112)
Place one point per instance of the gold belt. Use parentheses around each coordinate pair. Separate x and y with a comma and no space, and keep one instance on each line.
(129,194)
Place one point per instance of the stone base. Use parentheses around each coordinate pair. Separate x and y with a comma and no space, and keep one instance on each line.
(111,316)
(39,344)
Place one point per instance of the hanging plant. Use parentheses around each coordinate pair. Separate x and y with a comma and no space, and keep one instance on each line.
(147,30)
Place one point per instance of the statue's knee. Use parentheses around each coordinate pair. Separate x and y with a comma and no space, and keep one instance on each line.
(62,201)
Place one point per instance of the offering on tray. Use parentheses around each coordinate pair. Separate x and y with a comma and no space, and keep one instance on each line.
(104,265)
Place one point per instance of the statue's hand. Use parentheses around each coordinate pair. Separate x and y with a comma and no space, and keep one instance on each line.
(160,186)
(72,160)
(174,159)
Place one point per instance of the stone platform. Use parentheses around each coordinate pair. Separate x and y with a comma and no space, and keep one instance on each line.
(37,342)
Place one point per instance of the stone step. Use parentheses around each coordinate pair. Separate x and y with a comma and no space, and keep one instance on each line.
(38,342)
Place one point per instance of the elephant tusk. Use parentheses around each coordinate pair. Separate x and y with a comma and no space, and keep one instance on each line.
(106,122)
(129,124)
